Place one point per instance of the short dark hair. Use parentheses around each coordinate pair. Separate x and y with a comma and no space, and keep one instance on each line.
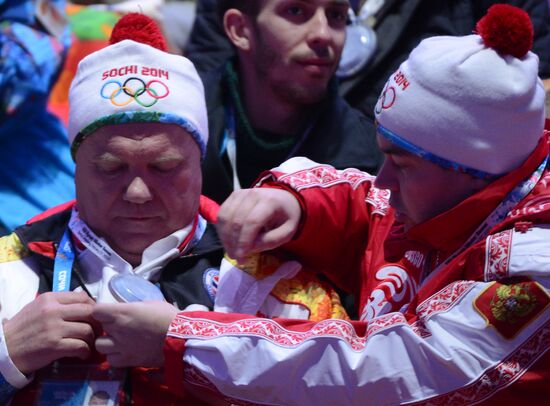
(248,7)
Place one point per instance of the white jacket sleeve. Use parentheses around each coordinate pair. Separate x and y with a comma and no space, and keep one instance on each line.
(450,353)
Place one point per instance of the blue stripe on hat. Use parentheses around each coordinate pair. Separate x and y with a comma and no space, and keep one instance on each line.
(126,117)
(413,149)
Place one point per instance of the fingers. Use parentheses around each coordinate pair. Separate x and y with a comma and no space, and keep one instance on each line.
(69,306)
(254,220)
(72,347)
(116,358)
(106,345)
(69,297)
(261,220)
(105,312)
(231,217)
(79,331)
(77,312)
(276,237)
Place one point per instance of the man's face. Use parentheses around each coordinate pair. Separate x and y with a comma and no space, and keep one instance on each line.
(296,46)
(420,190)
(137,183)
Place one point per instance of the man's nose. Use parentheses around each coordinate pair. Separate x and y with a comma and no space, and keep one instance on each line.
(385,179)
(137,191)
(320,32)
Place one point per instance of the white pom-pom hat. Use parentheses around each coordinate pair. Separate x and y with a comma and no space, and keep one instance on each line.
(129,82)
(468,103)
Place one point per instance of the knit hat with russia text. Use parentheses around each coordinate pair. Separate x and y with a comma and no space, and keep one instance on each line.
(135,80)
(474,103)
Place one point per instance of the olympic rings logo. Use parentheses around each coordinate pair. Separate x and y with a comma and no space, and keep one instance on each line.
(145,94)
(386,99)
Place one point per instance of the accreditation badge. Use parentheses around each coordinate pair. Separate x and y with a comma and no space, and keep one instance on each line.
(76,385)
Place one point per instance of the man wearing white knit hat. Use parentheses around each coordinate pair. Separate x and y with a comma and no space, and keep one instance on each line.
(446,249)
(138,230)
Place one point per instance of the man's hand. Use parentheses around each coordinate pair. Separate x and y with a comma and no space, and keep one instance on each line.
(53,326)
(135,332)
(255,220)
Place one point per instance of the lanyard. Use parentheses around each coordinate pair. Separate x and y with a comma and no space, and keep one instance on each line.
(63,264)
(199,227)
(229,143)
(496,216)
(65,256)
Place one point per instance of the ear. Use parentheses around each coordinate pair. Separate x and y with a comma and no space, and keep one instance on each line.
(237,27)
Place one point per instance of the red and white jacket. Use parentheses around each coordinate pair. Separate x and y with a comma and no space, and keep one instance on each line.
(476,329)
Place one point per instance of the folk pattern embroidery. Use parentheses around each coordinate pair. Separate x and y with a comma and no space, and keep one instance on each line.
(497,259)
(379,199)
(501,375)
(444,299)
(183,327)
(383,322)
(420,329)
(325,176)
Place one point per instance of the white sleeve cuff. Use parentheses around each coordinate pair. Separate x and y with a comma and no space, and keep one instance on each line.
(7,368)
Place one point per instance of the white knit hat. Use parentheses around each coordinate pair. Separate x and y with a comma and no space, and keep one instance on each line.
(473,103)
(130,81)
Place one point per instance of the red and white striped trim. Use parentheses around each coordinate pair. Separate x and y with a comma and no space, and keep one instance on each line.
(499,376)
(186,328)
(444,299)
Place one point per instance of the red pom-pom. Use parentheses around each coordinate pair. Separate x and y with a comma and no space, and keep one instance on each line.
(507,29)
(140,28)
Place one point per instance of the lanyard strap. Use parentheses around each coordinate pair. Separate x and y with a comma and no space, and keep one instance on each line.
(63,264)
(496,216)
(65,256)
(89,239)
(229,142)
(192,239)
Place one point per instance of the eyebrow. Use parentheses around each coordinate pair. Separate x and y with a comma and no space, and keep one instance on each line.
(107,157)
(168,158)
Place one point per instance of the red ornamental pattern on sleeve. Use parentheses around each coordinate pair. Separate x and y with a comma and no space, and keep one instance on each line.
(497,259)
(379,199)
(188,328)
(501,375)
(444,299)
(324,177)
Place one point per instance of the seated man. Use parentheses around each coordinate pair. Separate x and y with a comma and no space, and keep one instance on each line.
(277,98)
(138,128)
(446,247)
